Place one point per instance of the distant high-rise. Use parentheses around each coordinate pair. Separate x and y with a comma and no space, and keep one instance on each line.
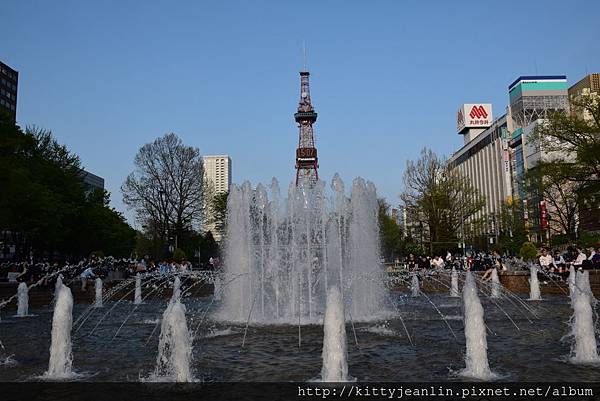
(589,209)
(217,174)
(9,80)
(588,86)
(217,170)
(532,99)
(91,182)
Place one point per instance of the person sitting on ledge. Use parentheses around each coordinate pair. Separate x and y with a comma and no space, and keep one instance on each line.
(547,261)
(85,275)
(559,262)
(437,262)
(596,259)
(496,264)
(581,257)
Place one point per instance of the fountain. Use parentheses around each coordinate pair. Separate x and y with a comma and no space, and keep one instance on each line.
(571,281)
(477,365)
(175,343)
(534,285)
(584,283)
(57,286)
(217,287)
(98,303)
(454,292)
(496,286)
(61,358)
(335,348)
(137,298)
(23,302)
(176,289)
(414,286)
(280,256)
(584,349)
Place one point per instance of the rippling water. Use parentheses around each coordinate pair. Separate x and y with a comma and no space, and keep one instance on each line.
(376,351)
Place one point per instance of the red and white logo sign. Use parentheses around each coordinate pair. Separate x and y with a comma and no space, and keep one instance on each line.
(478,112)
(474,116)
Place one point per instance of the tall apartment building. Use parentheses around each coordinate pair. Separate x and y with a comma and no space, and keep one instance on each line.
(9,80)
(484,160)
(217,172)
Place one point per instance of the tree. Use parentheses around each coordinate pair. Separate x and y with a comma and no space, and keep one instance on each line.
(439,199)
(165,189)
(389,232)
(44,203)
(106,229)
(215,209)
(561,195)
(210,248)
(572,144)
(567,176)
(512,231)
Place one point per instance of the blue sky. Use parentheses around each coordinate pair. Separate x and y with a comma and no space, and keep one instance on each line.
(387,76)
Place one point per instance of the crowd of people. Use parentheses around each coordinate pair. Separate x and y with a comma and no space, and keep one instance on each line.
(474,261)
(555,261)
(550,261)
(91,268)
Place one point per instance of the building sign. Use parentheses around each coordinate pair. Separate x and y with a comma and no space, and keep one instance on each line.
(474,116)
(543,215)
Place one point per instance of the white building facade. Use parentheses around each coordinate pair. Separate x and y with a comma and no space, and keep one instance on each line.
(217,174)
(484,160)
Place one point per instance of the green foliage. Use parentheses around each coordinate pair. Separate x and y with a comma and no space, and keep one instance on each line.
(415,249)
(44,199)
(559,239)
(512,231)
(219,211)
(210,248)
(179,255)
(589,239)
(528,251)
(96,254)
(389,233)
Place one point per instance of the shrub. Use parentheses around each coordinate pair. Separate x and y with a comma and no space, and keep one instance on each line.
(179,255)
(528,251)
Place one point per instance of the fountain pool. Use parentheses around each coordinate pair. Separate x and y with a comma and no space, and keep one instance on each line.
(272,352)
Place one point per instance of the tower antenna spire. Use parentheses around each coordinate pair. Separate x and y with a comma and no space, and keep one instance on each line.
(305,68)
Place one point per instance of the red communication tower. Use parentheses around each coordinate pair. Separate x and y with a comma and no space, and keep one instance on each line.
(307,162)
